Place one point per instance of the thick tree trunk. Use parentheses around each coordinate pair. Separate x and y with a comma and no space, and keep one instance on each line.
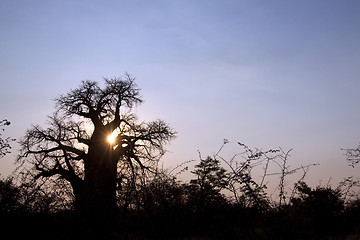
(97,196)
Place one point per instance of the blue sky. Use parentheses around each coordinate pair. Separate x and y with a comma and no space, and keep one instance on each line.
(266,73)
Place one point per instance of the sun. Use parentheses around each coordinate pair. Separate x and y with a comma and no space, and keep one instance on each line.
(111,138)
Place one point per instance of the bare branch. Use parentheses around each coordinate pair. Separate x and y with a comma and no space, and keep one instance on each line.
(352,155)
(4,143)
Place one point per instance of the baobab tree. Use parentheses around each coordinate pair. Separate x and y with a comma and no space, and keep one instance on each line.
(92,139)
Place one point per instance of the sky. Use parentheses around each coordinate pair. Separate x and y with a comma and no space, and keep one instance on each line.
(265,73)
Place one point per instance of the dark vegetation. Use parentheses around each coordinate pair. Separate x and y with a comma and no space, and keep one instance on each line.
(71,183)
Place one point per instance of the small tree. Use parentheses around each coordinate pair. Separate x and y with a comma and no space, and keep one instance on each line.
(94,142)
(211,179)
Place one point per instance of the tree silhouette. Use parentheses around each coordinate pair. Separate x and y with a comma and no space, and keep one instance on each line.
(75,146)
(210,179)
